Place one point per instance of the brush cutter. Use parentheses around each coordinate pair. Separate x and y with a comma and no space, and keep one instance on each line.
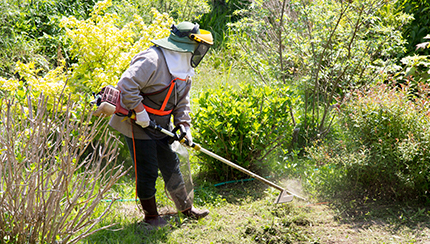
(284,196)
(107,102)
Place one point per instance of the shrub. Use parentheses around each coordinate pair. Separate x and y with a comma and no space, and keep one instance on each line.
(324,47)
(418,28)
(390,129)
(103,49)
(180,10)
(30,31)
(415,69)
(49,189)
(244,125)
(30,83)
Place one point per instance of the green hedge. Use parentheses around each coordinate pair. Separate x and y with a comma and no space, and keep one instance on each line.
(244,125)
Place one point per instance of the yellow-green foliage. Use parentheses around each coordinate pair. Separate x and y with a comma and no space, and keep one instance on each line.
(103,49)
(32,84)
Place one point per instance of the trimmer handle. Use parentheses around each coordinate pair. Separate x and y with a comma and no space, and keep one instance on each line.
(174,135)
(178,136)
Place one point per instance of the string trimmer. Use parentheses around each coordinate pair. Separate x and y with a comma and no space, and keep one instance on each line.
(108,103)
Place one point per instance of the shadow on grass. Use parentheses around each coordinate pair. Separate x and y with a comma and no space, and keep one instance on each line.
(231,192)
(398,217)
(396,214)
(135,233)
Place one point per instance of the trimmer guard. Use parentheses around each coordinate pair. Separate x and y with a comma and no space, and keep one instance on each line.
(284,197)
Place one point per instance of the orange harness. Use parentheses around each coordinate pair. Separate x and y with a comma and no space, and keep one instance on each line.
(162,111)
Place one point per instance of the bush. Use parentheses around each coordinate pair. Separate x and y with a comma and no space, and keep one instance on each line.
(387,146)
(325,48)
(180,10)
(52,85)
(50,188)
(418,28)
(415,69)
(104,49)
(244,125)
(30,31)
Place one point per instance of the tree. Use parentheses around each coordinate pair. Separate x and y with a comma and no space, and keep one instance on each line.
(324,48)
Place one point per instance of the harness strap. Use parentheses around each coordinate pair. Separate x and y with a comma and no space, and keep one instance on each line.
(156,111)
(161,111)
(156,92)
(168,95)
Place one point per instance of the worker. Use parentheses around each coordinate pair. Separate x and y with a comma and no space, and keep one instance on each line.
(156,87)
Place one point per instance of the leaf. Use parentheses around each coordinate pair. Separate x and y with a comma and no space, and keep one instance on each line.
(423,45)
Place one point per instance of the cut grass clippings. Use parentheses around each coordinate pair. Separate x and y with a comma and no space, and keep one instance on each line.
(245,213)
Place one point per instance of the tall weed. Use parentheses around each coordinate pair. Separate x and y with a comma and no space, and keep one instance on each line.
(393,128)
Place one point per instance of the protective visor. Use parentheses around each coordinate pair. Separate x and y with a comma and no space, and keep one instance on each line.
(199,53)
(205,40)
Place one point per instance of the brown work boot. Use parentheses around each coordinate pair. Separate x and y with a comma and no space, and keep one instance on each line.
(155,221)
(184,204)
(195,213)
(151,214)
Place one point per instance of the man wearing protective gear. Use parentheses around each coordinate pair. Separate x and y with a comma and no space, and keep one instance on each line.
(156,87)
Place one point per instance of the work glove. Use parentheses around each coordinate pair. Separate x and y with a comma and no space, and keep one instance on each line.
(142,119)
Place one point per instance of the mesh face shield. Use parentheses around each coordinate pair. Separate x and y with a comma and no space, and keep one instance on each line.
(199,53)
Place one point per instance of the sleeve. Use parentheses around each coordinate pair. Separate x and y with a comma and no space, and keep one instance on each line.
(181,113)
(134,79)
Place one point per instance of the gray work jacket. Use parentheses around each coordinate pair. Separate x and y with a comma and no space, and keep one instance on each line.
(148,73)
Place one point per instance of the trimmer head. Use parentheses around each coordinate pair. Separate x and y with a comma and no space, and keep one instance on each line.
(284,197)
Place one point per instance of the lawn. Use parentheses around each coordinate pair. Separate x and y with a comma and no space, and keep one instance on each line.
(245,213)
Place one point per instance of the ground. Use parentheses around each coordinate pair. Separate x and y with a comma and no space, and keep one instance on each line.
(245,213)
(371,226)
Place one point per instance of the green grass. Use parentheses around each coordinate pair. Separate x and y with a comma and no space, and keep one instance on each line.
(245,213)
(219,68)
(240,213)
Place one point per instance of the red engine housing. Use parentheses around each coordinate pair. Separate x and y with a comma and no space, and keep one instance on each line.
(113,96)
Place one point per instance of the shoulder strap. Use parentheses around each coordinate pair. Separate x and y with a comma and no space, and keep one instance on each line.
(156,92)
